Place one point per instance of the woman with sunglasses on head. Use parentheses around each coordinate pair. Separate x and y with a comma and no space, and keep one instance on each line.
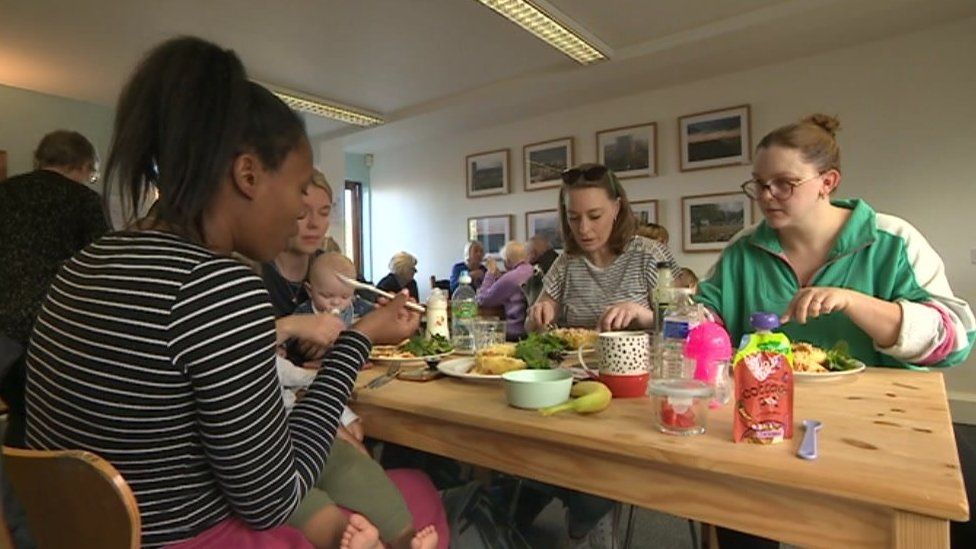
(835,269)
(155,349)
(607,272)
(601,281)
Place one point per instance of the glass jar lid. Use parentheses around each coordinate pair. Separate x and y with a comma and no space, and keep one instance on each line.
(680,388)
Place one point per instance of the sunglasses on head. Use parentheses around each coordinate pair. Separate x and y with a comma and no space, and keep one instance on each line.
(593,173)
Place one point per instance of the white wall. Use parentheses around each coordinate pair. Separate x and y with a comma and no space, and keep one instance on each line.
(908,114)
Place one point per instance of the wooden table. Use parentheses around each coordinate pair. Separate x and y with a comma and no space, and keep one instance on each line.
(888,473)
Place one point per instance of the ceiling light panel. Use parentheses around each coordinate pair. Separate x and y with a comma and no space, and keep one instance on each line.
(325,108)
(532,17)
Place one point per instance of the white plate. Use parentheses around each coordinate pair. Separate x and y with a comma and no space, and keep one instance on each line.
(459,368)
(399,360)
(807,377)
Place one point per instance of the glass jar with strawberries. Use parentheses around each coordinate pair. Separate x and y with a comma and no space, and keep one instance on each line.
(680,405)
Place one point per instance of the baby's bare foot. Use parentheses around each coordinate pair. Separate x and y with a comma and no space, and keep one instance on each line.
(361,534)
(426,538)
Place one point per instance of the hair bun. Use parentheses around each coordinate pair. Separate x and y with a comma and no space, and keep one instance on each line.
(829,123)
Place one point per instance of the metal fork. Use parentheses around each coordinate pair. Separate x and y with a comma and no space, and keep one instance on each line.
(391,372)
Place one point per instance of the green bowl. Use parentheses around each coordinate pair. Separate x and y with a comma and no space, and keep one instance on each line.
(533,389)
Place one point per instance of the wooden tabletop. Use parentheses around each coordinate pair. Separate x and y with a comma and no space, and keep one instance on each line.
(886,444)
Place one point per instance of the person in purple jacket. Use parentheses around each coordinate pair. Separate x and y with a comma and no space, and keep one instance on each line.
(505,289)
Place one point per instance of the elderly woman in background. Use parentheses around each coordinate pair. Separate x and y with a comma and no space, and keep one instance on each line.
(474,254)
(403,269)
(505,289)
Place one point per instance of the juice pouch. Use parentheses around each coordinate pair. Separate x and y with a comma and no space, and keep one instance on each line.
(763,371)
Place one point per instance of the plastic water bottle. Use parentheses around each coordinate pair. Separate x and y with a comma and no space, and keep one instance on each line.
(660,299)
(681,317)
(463,311)
(662,296)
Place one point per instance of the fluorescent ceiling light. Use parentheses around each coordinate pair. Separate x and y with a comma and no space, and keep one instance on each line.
(534,16)
(323,107)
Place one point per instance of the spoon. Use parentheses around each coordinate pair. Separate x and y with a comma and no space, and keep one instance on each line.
(808,448)
(363,286)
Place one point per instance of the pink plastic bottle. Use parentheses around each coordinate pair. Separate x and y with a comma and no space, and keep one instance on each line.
(710,348)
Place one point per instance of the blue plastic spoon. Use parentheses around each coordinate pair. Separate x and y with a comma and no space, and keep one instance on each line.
(808,448)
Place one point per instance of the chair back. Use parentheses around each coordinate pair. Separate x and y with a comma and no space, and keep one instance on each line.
(440,284)
(73,499)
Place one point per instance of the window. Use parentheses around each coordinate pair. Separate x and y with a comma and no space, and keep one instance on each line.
(353,199)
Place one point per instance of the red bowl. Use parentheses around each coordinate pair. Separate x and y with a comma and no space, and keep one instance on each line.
(626,386)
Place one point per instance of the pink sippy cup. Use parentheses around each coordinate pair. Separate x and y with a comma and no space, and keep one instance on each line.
(711,349)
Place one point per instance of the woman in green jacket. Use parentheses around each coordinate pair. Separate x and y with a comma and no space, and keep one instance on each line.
(835,269)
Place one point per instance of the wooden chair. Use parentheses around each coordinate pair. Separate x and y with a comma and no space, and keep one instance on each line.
(73,499)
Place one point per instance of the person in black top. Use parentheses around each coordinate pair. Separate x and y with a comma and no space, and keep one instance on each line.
(403,269)
(155,348)
(285,275)
(45,217)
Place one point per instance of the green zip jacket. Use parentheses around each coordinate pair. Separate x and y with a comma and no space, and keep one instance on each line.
(875,254)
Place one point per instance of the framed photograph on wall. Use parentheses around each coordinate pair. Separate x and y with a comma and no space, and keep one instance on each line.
(544,222)
(709,221)
(630,152)
(715,138)
(493,231)
(487,173)
(3,165)
(645,211)
(545,162)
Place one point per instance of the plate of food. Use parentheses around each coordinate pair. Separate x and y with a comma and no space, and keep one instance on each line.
(575,338)
(416,349)
(812,363)
(488,364)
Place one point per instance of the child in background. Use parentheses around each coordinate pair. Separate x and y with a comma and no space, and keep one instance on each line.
(351,478)
(687,279)
(654,232)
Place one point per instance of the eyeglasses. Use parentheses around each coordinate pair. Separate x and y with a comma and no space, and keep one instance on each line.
(593,173)
(780,189)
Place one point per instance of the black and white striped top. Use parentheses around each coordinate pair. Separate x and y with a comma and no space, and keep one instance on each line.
(584,290)
(158,355)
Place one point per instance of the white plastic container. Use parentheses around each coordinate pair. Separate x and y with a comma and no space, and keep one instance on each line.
(437,314)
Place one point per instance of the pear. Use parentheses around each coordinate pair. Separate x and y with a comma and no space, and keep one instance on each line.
(589,397)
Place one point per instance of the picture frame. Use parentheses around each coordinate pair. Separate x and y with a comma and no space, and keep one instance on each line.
(3,165)
(493,231)
(713,139)
(630,151)
(709,221)
(646,211)
(544,162)
(487,173)
(547,223)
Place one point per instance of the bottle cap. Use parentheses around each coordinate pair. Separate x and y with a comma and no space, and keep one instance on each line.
(764,321)
(465,277)
(663,265)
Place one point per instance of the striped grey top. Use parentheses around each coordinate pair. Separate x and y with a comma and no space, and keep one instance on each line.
(584,290)
(158,355)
